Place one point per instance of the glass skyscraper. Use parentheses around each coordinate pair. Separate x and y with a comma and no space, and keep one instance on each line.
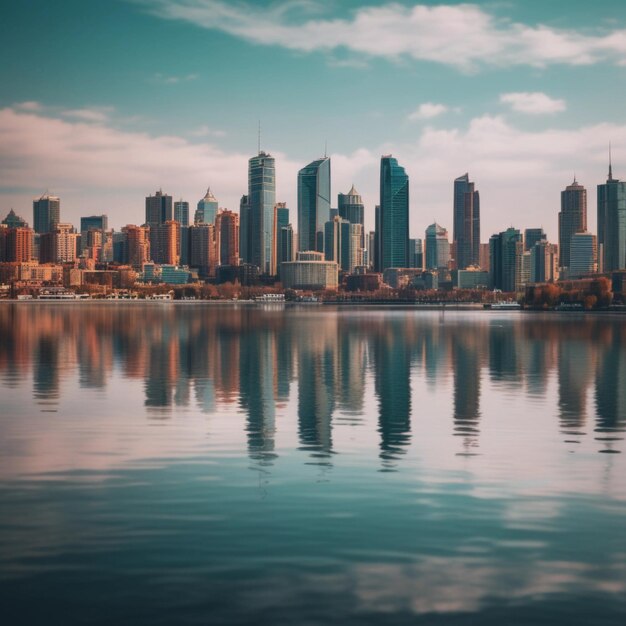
(612,224)
(261,200)
(206,210)
(46,213)
(313,204)
(466,233)
(394,214)
(181,212)
(351,208)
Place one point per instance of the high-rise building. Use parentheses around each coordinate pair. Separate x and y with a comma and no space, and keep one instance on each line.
(583,255)
(506,260)
(313,204)
(19,245)
(466,233)
(351,208)
(166,237)
(572,219)
(158,211)
(261,199)
(394,214)
(483,260)
(95,222)
(281,220)
(181,212)
(437,247)
(65,241)
(14,221)
(244,229)
(202,251)
(544,262)
(46,213)
(532,236)
(206,210)
(158,208)
(227,237)
(371,248)
(136,246)
(285,246)
(612,224)
(416,253)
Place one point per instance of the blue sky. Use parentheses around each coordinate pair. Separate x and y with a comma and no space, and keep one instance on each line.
(105,101)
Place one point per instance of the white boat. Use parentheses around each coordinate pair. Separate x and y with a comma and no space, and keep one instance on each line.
(504,306)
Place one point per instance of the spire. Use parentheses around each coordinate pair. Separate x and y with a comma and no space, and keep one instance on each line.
(610,164)
(259,139)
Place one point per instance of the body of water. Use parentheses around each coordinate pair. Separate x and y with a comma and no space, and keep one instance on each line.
(197,464)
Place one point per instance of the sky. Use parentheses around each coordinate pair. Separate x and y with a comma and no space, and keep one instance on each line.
(104,102)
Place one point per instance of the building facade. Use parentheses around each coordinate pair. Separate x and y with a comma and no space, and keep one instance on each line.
(227,237)
(310,271)
(466,227)
(393,214)
(572,219)
(612,224)
(313,204)
(46,213)
(261,199)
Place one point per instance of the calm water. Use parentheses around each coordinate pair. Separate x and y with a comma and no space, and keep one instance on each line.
(164,464)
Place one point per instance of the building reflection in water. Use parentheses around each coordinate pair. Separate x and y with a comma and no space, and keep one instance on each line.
(320,364)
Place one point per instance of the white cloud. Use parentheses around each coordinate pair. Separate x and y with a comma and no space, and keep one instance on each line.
(462,35)
(206,131)
(31,105)
(164,79)
(427,111)
(97,167)
(96,115)
(533,103)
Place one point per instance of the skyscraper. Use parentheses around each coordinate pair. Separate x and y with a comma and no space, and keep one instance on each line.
(206,210)
(532,236)
(46,213)
(466,234)
(351,208)
(158,208)
(313,204)
(14,221)
(394,214)
(202,252)
(181,212)
(92,222)
(244,229)
(261,199)
(506,257)
(583,255)
(572,219)
(281,220)
(166,237)
(227,237)
(437,247)
(612,224)
(136,246)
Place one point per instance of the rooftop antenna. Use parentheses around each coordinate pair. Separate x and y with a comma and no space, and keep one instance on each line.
(259,136)
(610,164)
(325,148)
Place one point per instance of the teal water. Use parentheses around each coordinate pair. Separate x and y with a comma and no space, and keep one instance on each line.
(196,464)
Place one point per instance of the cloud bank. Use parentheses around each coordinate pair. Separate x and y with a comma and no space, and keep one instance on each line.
(464,36)
(533,103)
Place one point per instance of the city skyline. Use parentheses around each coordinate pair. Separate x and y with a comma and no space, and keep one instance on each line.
(163,122)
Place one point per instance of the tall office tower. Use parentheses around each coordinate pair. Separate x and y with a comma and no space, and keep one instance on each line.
(227,237)
(206,210)
(371,248)
(351,248)
(202,252)
(437,247)
(483,259)
(313,204)
(166,237)
(185,235)
(261,199)
(281,220)
(285,246)
(96,222)
(351,208)
(332,239)
(136,246)
(506,269)
(244,229)
(612,224)
(377,258)
(65,241)
(416,253)
(572,219)
(19,245)
(46,213)
(91,243)
(14,221)
(4,234)
(531,237)
(544,262)
(466,233)
(181,212)
(583,255)
(394,214)
(158,211)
